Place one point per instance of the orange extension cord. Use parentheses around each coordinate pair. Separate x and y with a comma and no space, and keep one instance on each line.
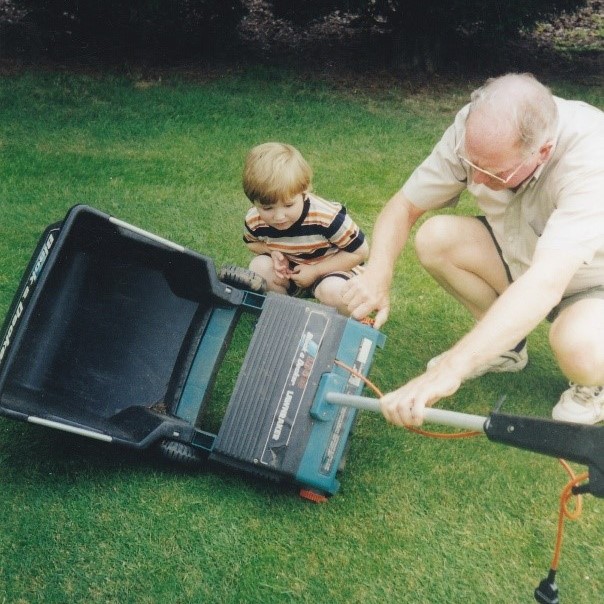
(565,496)
(565,512)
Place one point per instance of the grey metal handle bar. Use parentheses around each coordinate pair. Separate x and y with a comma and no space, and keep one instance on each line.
(444,417)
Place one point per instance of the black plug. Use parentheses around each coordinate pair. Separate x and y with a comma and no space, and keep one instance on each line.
(547,592)
(581,489)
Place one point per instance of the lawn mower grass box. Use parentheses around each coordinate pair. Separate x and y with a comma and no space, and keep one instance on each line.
(117,335)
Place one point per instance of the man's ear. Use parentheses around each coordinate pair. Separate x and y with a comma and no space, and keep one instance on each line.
(545,152)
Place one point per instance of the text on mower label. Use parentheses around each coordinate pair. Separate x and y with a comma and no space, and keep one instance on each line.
(33,277)
(294,387)
(282,414)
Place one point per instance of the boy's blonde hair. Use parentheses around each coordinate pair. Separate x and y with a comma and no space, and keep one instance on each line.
(275,172)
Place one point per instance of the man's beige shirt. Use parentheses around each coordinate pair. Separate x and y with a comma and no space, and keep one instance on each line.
(561,207)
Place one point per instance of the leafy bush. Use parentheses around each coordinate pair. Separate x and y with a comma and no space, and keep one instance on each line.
(425,31)
(124,26)
(409,31)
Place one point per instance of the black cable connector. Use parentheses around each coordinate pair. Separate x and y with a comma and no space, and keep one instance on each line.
(581,489)
(547,592)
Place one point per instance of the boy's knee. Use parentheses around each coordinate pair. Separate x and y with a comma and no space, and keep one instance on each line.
(323,291)
(329,291)
(261,265)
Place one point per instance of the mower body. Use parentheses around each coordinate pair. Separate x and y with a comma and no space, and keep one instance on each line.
(117,334)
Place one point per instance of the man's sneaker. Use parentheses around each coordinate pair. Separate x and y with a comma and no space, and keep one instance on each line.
(580,405)
(509,362)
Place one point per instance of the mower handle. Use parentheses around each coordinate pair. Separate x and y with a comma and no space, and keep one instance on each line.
(573,442)
(455,419)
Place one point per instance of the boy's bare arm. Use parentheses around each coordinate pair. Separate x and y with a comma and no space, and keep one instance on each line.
(257,247)
(306,274)
(343,261)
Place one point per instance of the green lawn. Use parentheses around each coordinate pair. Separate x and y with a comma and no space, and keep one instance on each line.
(416,520)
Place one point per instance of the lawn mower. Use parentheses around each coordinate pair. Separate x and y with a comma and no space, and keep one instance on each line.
(117,335)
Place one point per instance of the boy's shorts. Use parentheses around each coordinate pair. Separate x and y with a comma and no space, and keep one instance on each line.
(593,292)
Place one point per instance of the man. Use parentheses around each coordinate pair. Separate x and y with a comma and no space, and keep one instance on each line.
(535,165)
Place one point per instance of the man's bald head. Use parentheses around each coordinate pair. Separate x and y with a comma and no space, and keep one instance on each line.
(513,110)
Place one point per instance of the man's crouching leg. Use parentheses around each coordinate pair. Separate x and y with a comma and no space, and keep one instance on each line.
(576,339)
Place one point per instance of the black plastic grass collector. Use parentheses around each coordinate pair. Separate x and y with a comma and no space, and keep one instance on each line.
(118,335)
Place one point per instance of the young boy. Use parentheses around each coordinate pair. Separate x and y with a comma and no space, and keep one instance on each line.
(304,245)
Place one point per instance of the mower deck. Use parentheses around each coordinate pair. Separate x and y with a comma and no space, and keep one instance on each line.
(112,324)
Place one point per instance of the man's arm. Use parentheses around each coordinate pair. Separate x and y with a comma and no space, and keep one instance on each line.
(370,291)
(514,314)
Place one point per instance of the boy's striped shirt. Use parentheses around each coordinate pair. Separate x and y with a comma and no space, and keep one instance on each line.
(324,228)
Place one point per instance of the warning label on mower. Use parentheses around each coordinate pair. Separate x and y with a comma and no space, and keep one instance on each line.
(294,387)
(339,428)
(27,289)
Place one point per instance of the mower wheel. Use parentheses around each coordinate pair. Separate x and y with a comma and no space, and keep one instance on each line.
(242,278)
(180,453)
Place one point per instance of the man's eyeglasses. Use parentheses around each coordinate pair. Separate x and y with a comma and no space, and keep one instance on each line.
(503,181)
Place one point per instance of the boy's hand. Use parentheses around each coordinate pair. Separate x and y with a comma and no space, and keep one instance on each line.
(304,275)
(281,265)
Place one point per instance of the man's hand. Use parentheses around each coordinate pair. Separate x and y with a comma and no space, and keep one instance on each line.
(365,293)
(405,406)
